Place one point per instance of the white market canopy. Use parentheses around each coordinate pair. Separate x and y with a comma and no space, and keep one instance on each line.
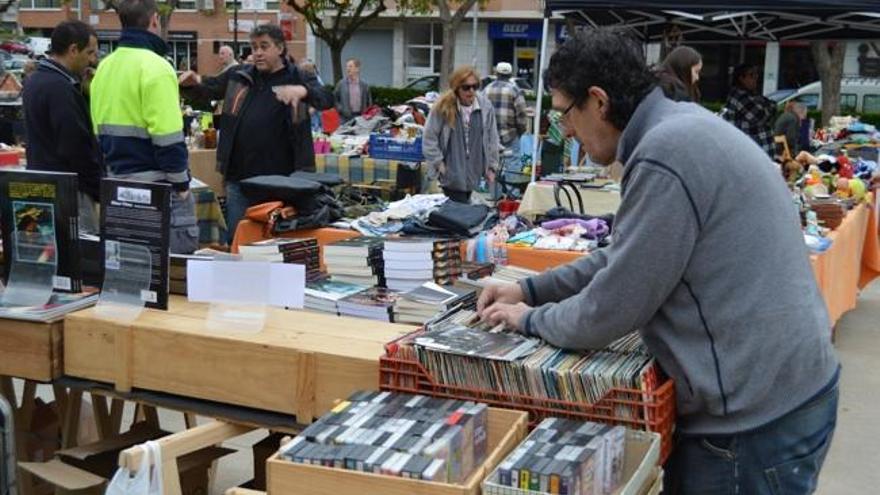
(719,20)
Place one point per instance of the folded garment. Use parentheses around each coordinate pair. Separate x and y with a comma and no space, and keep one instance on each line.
(458,218)
(317,219)
(595,229)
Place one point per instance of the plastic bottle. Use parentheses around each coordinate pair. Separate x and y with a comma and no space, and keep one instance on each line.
(499,251)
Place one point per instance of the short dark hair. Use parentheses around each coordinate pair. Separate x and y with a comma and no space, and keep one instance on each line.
(272,31)
(606,58)
(136,13)
(70,33)
(357,62)
(740,71)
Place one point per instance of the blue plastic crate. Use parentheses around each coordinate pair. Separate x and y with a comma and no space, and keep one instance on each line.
(387,148)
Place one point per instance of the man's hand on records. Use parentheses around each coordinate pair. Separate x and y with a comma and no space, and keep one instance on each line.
(510,315)
(499,293)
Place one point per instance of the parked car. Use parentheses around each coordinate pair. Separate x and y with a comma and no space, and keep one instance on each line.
(524,84)
(425,83)
(4,55)
(15,65)
(857,94)
(13,46)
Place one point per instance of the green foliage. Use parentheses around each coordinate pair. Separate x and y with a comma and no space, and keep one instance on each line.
(713,106)
(393,96)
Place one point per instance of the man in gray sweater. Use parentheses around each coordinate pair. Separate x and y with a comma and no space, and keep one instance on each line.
(708,261)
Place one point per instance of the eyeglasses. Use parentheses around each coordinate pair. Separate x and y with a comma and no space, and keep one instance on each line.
(562,117)
(469,87)
(565,112)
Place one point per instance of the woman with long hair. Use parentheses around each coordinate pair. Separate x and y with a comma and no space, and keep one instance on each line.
(679,74)
(461,137)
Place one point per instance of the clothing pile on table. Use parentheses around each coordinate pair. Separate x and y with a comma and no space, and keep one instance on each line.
(353,136)
(427,215)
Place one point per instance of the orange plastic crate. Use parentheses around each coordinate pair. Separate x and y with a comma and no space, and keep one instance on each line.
(398,374)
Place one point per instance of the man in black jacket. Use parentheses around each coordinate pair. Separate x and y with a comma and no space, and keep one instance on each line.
(265,127)
(59,129)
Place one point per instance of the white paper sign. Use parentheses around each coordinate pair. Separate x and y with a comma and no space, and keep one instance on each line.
(246,282)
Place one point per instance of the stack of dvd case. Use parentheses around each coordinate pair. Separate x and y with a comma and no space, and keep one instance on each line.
(563,457)
(401,435)
(460,352)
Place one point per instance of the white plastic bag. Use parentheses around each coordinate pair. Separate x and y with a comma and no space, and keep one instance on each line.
(147,480)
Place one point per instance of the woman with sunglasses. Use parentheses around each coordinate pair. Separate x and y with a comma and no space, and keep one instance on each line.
(461,137)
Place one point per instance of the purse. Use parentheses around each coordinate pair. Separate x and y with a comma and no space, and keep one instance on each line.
(269,214)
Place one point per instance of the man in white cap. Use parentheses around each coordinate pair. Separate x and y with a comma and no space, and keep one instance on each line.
(510,108)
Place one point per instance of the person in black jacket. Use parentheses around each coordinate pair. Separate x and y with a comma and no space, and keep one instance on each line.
(265,127)
(60,137)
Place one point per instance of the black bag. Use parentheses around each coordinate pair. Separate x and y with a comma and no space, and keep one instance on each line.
(458,218)
(329,180)
(289,190)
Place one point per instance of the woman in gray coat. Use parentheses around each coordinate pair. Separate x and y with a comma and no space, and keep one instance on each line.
(461,137)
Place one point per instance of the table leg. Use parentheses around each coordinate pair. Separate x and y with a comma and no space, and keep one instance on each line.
(22,418)
(102,416)
(151,416)
(8,391)
(117,407)
(70,422)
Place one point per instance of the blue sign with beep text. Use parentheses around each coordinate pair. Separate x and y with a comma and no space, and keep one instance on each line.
(515,30)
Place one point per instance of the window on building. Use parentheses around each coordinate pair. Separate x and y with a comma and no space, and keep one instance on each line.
(97,6)
(46,4)
(811,100)
(871,104)
(848,103)
(270,6)
(424,48)
(184,54)
(186,5)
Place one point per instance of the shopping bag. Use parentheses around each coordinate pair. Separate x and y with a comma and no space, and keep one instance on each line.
(147,480)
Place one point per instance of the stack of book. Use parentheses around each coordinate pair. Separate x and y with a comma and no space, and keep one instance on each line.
(299,251)
(177,268)
(563,456)
(410,262)
(59,304)
(323,295)
(356,261)
(375,303)
(428,300)
(402,435)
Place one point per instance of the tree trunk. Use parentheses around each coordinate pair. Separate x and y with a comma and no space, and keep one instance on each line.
(336,58)
(164,23)
(447,58)
(829,57)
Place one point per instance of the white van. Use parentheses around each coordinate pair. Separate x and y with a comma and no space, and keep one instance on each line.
(857,94)
(38,46)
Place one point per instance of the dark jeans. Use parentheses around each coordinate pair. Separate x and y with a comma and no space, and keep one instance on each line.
(184,224)
(457,196)
(783,457)
(236,206)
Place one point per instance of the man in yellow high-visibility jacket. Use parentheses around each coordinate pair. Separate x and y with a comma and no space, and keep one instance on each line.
(135,107)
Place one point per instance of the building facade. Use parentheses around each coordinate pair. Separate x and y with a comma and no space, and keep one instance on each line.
(506,30)
(196,30)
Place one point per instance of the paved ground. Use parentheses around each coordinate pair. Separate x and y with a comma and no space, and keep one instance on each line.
(851,468)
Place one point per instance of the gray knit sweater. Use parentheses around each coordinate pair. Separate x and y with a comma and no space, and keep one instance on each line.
(708,260)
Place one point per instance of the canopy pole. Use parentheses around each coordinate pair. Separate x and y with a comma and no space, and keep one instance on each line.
(542,55)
